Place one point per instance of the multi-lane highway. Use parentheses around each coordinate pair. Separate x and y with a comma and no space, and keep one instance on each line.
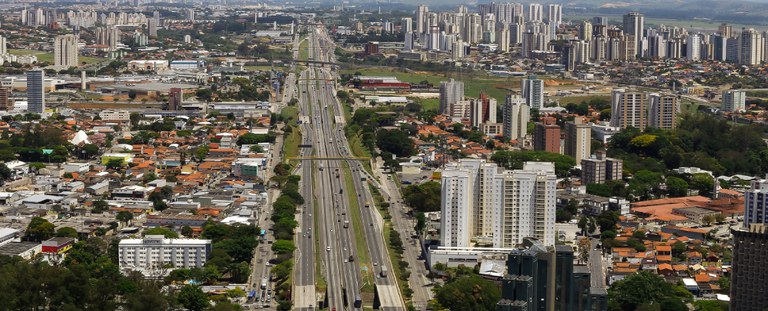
(327,212)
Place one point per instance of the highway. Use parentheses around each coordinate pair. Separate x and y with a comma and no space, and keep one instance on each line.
(328,199)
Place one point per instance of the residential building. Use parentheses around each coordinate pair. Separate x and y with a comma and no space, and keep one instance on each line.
(483,110)
(663,111)
(633,26)
(36,91)
(533,92)
(175,99)
(516,117)
(115,115)
(450,92)
(5,99)
(628,108)
(456,219)
(756,203)
(527,205)
(154,255)
(750,257)
(598,169)
(65,51)
(485,203)
(578,139)
(750,47)
(734,100)
(3,45)
(546,136)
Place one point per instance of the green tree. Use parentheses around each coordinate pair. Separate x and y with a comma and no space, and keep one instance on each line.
(676,187)
(469,293)
(637,289)
(424,197)
(201,152)
(516,159)
(186,231)
(40,229)
(124,216)
(168,233)
(710,305)
(395,141)
(115,164)
(193,298)
(100,206)
(5,172)
(90,150)
(67,232)
(283,246)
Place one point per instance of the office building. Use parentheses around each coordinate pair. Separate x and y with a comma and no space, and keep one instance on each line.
(578,139)
(5,99)
(598,169)
(750,257)
(527,205)
(65,51)
(756,203)
(734,100)
(628,108)
(546,136)
(750,47)
(154,255)
(456,207)
(36,91)
(633,25)
(663,111)
(516,118)
(533,92)
(450,92)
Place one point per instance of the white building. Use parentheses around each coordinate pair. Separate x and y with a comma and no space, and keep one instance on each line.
(528,210)
(115,115)
(734,100)
(65,51)
(450,92)
(533,92)
(456,207)
(756,203)
(153,253)
(516,116)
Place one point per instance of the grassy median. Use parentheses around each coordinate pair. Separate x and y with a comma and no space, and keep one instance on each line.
(355,215)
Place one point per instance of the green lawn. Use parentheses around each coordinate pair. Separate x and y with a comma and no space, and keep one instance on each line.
(355,214)
(474,83)
(304,49)
(320,284)
(292,140)
(428,103)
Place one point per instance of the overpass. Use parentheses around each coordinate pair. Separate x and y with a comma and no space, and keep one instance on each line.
(306,61)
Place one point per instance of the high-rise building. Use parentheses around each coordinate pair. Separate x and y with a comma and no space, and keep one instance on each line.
(3,46)
(750,47)
(628,108)
(191,14)
(175,99)
(483,111)
(734,100)
(456,207)
(578,139)
(65,51)
(598,169)
(485,201)
(153,253)
(5,99)
(450,92)
(535,12)
(756,203)
(663,111)
(421,19)
(599,20)
(152,25)
(516,117)
(725,30)
(585,31)
(108,36)
(406,24)
(554,14)
(546,137)
(750,257)
(527,205)
(36,91)
(693,47)
(633,26)
(533,92)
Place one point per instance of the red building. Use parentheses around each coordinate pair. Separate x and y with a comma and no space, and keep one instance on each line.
(546,136)
(58,245)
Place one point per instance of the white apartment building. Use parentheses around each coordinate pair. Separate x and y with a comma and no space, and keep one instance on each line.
(533,92)
(65,52)
(456,219)
(756,203)
(150,254)
(528,198)
(734,100)
(516,115)
(115,115)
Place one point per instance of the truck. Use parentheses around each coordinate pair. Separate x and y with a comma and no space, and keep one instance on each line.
(383,271)
(264,283)
(346,224)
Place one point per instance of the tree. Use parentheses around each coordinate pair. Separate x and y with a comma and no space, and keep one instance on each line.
(283,246)
(710,305)
(395,141)
(67,232)
(40,229)
(516,159)
(469,293)
(424,197)
(5,172)
(201,152)
(257,149)
(676,187)
(637,289)
(115,164)
(100,206)
(186,231)
(90,150)
(193,298)
(124,216)
(707,219)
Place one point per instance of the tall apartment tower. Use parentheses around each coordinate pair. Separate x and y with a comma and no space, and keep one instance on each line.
(750,47)
(5,99)
(756,203)
(750,257)
(152,25)
(598,169)
(725,30)
(663,111)
(533,92)
(535,12)
(585,31)
(3,46)
(546,136)
(65,51)
(485,201)
(578,139)
(628,108)
(450,92)
(734,100)
(693,47)
(421,19)
(406,25)
(633,25)
(36,91)
(108,36)
(175,99)
(528,206)
(554,14)
(456,207)
(516,117)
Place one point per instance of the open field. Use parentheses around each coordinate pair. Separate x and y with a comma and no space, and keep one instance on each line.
(577,99)
(43,56)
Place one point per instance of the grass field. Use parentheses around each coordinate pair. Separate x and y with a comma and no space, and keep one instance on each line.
(576,99)
(355,214)
(48,57)
(304,49)
(474,83)
(429,103)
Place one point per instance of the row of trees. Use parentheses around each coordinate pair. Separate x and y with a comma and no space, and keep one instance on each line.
(284,223)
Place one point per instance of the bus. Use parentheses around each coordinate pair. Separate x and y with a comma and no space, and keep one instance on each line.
(263,234)
(251,295)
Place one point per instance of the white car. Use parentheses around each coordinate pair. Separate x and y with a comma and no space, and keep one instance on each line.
(328,249)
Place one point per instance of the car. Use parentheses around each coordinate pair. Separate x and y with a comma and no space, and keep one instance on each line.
(328,249)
